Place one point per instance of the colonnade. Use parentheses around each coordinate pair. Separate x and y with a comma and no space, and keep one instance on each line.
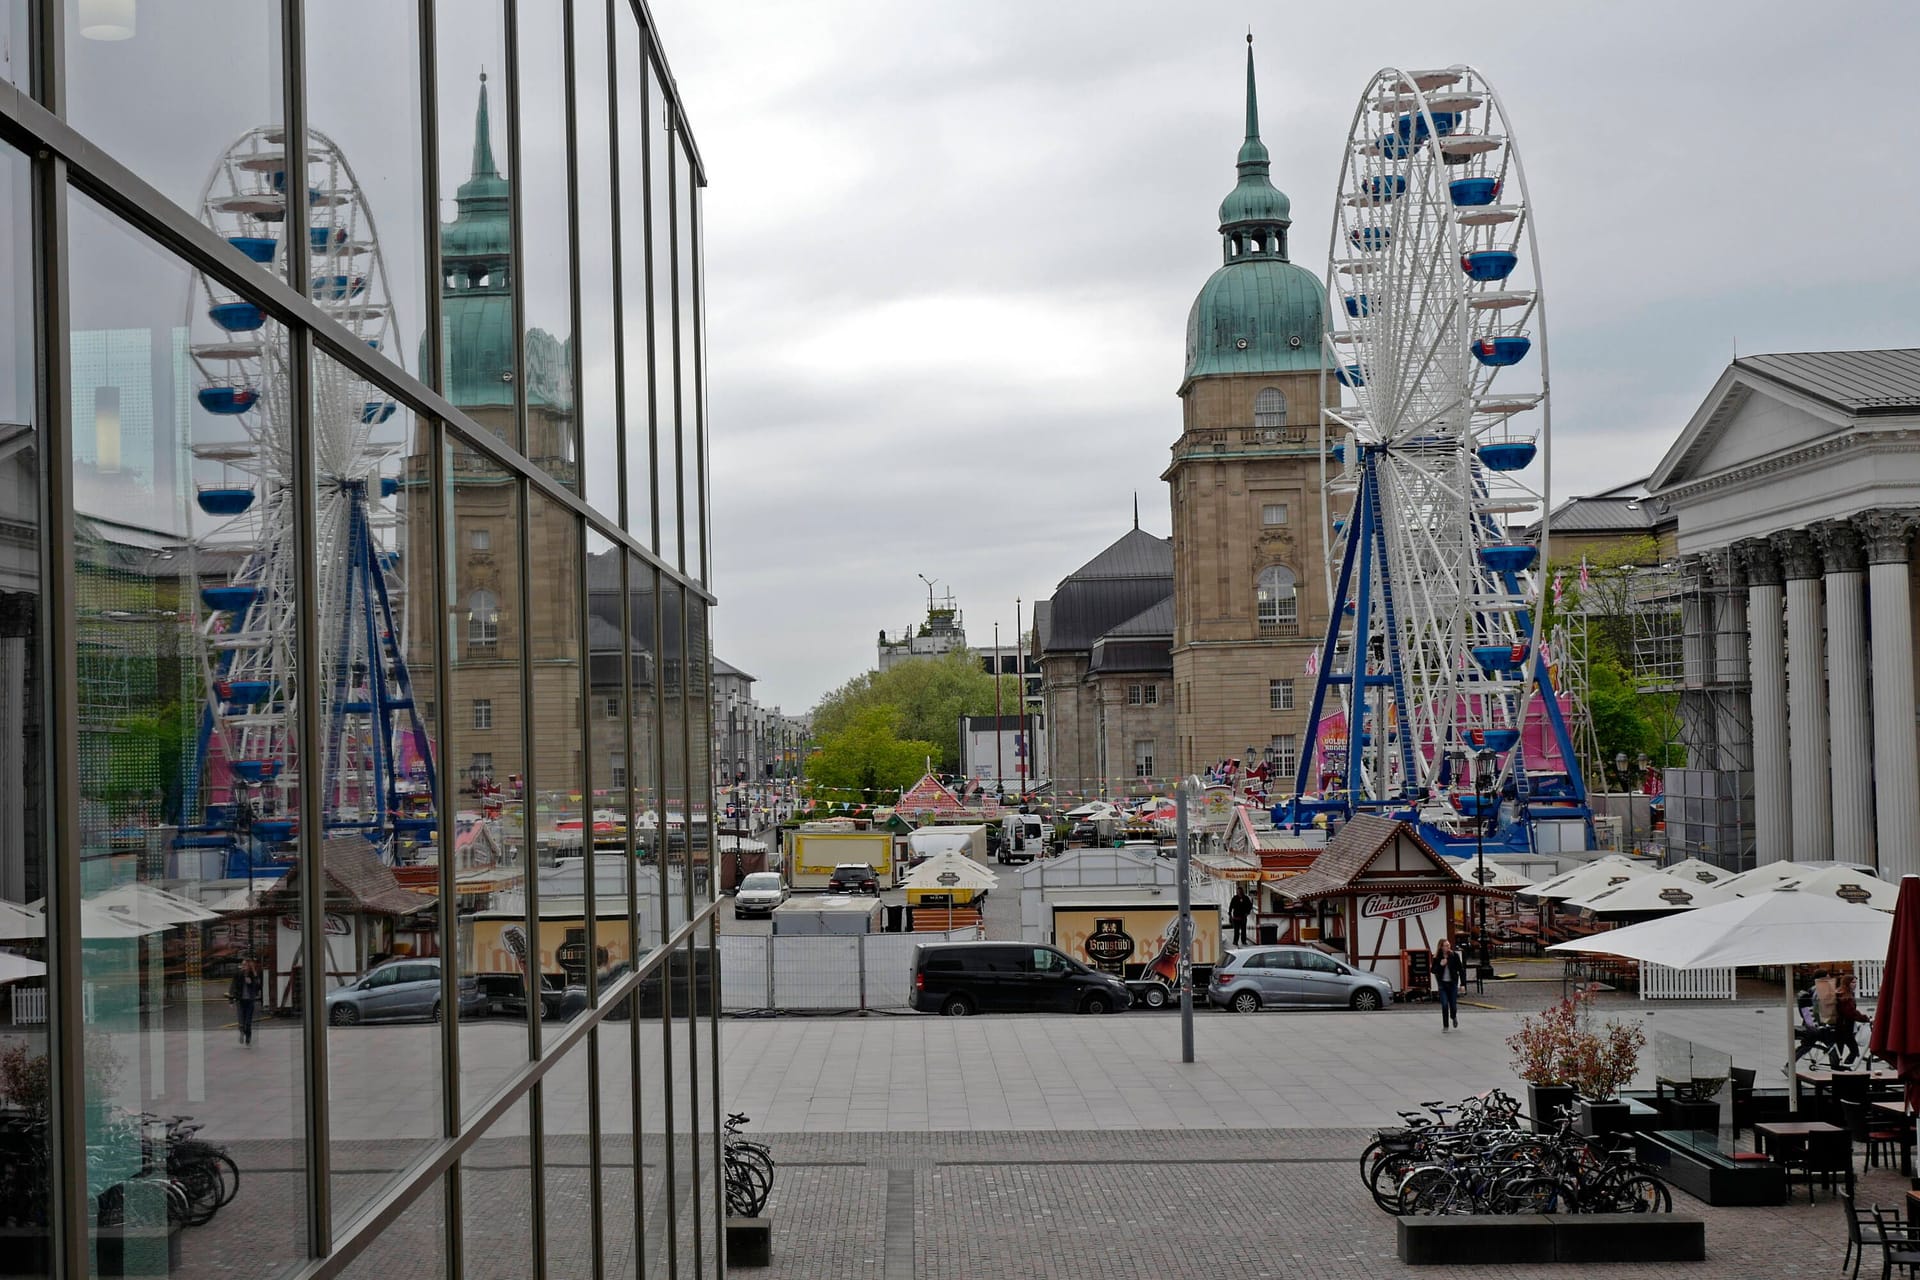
(1828,615)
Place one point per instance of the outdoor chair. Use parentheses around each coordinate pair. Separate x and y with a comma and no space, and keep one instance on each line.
(1741,1079)
(1899,1243)
(1863,1229)
(1865,1127)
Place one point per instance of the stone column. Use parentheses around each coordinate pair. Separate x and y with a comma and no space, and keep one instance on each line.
(1852,719)
(1896,776)
(1806,697)
(1730,664)
(1772,806)
(1696,658)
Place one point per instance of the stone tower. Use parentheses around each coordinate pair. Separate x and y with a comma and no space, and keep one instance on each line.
(1249,592)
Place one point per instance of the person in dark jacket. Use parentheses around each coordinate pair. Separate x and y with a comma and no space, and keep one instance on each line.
(1238,909)
(244,994)
(1449,971)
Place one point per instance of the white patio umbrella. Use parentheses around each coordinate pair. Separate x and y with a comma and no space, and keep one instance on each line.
(1697,871)
(950,870)
(1640,894)
(149,904)
(1763,877)
(14,968)
(1848,886)
(1499,876)
(1780,927)
(96,924)
(1603,873)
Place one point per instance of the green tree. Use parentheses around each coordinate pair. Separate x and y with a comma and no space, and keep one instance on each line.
(927,697)
(865,758)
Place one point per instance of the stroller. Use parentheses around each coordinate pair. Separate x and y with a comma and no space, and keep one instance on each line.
(1825,1044)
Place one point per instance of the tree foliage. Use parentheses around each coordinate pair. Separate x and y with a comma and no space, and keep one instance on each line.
(864,757)
(925,698)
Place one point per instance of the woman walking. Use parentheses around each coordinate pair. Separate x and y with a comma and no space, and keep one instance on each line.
(1448,973)
(244,994)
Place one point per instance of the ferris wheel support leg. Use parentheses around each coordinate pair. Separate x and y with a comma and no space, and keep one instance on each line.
(1325,679)
(1367,517)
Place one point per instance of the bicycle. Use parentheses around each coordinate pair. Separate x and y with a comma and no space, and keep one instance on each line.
(747,1171)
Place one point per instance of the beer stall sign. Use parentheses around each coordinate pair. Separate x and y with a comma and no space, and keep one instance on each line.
(1397,906)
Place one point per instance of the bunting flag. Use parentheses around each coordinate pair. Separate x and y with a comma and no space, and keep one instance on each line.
(1313,661)
(1585,581)
(1559,586)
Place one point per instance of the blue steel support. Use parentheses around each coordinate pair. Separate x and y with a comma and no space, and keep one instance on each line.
(1327,676)
(1365,515)
(1396,669)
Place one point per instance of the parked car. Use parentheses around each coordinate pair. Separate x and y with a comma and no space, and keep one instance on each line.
(758,894)
(506,994)
(854,877)
(1253,978)
(406,988)
(958,978)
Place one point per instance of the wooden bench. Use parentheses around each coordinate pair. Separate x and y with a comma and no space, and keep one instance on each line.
(1576,1238)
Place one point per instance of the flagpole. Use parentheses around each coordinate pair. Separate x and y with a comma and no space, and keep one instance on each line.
(999,762)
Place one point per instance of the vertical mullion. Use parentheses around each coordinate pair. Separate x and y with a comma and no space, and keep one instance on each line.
(47,36)
(653,372)
(578,366)
(686,873)
(431,358)
(516,257)
(589,856)
(440,564)
(636,1101)
(68,1130)
(312,771)
(619,289)
(697,264)
(678,557)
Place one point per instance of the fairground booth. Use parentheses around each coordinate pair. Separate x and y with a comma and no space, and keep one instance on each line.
(1380,897)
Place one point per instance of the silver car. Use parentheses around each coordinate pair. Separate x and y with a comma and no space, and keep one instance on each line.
(1254,978)
(407,988)
(759,894)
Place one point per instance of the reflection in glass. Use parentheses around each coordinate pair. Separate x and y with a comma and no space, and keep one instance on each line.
(611,934)
(700,834)
(482,720)
(684,1063)
(415,1244)
(593,159)
(662,174)
(619,1206)
(644,728)
(546,243)
(686,315)
(16,54)
(185,859)
(366,143)
(382,943)
(637,322)
(476,246)
(655,1205)
(23,809)
(674,755)
(565,851)
(567,1166)
(496,1191)
(130,98)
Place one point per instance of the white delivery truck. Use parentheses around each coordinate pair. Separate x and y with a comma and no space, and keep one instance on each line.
(1023,837)
(967,841)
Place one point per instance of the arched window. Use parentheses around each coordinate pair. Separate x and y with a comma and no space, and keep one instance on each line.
(483,618)
(1277,601)
(1270,408)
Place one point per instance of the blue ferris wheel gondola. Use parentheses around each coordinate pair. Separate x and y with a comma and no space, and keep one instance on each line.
(229,599)
(1471,193)
(224,500)
(259,248)
(377,411)
(228,400)
(274,830)
(244,693)
(1508,455)
(1351,376)
(1509,557)
(237,317)
(1502,350)
(1371,239)
(338,288)
(1489,264)
(1356,304)
(256,771)
(389,485)
(1495,657)
(1498,741)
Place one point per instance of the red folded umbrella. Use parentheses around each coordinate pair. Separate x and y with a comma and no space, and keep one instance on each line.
(1896,1020)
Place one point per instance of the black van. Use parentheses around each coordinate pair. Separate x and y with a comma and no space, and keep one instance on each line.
(957,978)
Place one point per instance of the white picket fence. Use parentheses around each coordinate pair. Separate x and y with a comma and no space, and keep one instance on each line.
(1658,982)
(30,1004)
(860,971)
(1866,978)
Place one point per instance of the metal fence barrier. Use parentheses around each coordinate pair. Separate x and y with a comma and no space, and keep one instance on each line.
(1866,978)
(1658,982)
(859,971)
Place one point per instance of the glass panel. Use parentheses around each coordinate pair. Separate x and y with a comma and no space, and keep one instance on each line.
(561,844)
(699,703)
(476,241)
(700,1091)
(417,1238)
(653,1038)
(698,319)
(687,1165)
(686,553)
(567,1167)
(611,928)
(636,320)
(483,723)
(662,174)
(546,243)
(363,155)
(383,967)
(184,610)
(127,94)
(496,1190)
(16,53)
(643,719)
(23,811)
(593,152)
(674,754)
(619,1204)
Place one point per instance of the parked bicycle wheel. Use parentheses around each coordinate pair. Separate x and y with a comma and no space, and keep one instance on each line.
(1631,1193)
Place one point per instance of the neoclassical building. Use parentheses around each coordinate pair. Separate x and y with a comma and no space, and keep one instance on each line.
(1248,592)
(1795,490)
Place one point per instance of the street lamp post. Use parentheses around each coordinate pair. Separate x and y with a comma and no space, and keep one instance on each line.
(1482,781)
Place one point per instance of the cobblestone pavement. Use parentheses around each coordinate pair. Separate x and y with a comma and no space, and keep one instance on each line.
(1170,1204)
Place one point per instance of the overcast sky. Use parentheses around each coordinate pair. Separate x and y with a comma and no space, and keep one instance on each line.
(951,248)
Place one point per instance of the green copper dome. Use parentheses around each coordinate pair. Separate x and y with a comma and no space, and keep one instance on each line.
(1259,313)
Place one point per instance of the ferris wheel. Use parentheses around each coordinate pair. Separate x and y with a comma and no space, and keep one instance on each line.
(376,774)
(1437,418)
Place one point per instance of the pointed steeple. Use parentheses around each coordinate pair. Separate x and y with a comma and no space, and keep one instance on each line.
(1255,215)
(483,165)
(1253,152)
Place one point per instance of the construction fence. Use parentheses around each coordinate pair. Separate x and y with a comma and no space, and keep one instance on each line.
(763,974)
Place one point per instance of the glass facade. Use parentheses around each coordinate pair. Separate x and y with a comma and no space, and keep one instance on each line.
(355,794)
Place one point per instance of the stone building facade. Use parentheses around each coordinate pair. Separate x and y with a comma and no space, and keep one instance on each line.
(1249,599)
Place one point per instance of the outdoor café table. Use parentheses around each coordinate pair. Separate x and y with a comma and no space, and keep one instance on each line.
(1904,1118)
(1821,1079)
(1793,1142)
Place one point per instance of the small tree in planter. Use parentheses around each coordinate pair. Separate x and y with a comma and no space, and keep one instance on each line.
(1559,1054)
(1542,1047)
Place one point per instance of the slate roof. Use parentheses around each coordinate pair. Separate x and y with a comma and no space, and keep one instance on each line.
(354,871)
(1135,554)
(1357,844)
(1861,382)
(1155,623)
(723,668)
(1125,580)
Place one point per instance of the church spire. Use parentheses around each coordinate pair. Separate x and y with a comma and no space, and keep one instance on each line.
(1255,215)
(1253,152)
(483,166)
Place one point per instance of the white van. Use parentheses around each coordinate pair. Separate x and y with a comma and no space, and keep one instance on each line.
(1023,837)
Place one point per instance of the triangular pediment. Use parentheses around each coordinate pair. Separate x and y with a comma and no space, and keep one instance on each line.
(1403,856)
(1745,420)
